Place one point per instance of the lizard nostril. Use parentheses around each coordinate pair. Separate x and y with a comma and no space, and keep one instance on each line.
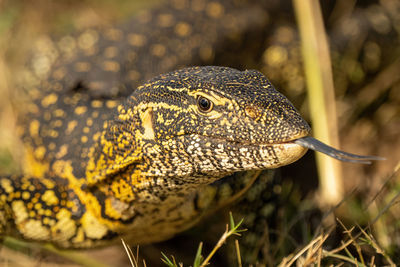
(253,112)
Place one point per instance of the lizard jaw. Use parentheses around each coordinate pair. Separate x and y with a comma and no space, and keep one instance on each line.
(287,153)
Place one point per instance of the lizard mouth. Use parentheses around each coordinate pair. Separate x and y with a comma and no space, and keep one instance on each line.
(314,144)
(309,142)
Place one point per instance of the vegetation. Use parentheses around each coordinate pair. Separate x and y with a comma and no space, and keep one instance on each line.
(362,226)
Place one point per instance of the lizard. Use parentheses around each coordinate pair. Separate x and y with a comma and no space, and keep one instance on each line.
(141,176)
(140,169)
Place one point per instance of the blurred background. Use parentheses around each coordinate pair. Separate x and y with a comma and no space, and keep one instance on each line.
(364,40)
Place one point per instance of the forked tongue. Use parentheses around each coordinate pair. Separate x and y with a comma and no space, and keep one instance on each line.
(316,145)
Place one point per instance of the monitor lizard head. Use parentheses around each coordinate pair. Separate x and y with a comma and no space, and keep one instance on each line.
(200,122)
(209,121)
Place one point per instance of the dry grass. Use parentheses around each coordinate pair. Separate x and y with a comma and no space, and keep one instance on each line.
(359,246)
(321,95)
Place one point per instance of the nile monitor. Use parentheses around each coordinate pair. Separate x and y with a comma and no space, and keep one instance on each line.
(106,157)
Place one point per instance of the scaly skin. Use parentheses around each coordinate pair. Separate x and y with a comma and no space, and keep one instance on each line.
(100,166)
(148,165)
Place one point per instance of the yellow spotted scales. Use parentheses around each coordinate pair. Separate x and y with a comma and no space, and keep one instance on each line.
(109,158)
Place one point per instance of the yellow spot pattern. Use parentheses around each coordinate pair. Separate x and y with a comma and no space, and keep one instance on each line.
(92,227)
(20,212)
(80,110)
(50,198)
(49,100)
(6,184)
(65,227)
(34,229)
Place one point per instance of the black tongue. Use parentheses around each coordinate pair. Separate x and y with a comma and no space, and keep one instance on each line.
(316,145)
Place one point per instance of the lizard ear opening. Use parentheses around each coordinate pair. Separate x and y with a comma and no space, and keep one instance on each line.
(146,118)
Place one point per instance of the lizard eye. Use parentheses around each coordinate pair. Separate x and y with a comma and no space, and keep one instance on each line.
(204,104)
